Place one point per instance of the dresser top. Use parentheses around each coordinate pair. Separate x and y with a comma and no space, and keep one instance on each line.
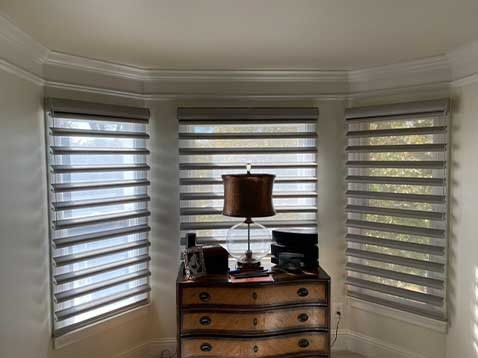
(279,276)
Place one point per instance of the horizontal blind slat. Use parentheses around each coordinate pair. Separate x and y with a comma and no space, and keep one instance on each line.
(365,179)
(421,198)
(396,260)
(240,135)
(66,187)
(394,275)
(395,291)
(395,244)
(93,254)
(87,289)
(97,219)
(415,214)
(217,181)
(228,224)
(91,271)
(59,169)
(398,306)
(100,235)
(401,229)
(62,150)
(397,132)
(72,327)
(218,211)
(396,148)
(413,164)
(76,204)
(89,306)
(218,196)
(246,150)
(227,166)
(75,132)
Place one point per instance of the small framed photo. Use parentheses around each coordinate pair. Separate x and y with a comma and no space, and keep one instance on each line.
(194,265)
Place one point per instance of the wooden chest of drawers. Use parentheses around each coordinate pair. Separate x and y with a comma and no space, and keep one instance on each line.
(289,317)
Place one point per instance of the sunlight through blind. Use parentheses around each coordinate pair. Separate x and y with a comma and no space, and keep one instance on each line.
(216,141)
(397,205)
(98,198)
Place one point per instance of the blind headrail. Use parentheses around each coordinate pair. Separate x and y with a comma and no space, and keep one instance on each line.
(61,105)
(249,113)
(433,107)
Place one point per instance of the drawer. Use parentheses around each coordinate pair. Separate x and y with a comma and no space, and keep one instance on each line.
(255,322)
(315,344)
(264,295)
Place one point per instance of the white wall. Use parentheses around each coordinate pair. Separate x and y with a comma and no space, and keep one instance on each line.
(24,305)
(24,298)
(462,340)
(24,258)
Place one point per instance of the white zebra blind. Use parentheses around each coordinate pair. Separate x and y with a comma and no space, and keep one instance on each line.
(397,206)
(98,198)
(216,141)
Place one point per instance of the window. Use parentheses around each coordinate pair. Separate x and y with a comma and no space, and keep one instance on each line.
(98,199)
(215,141)
(397,206)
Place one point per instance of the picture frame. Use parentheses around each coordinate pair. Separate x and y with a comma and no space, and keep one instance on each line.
(194,264)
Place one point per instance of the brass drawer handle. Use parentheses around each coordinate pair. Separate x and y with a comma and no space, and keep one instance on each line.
(205,321)
(303,343)
(256,349)
(206,347)
(302,292)
(303,317)
(204,296)
(254,321)
(254,295)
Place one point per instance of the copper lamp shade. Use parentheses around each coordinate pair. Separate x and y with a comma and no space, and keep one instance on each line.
(248,195)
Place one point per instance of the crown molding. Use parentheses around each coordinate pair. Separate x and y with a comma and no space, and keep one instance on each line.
(145,74)
(17,71)
(25,57)
(21,40)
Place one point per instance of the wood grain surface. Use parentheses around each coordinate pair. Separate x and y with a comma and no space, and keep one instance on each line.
(313,343)
(313,292)
(255,322)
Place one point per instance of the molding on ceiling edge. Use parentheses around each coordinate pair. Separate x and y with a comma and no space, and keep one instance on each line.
(347,340)
(457,68)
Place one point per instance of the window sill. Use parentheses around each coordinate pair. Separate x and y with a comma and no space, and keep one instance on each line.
(96,328)
(435,325)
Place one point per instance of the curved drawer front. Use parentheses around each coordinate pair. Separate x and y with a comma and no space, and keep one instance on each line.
(247,296)
(313,343)
(251,322)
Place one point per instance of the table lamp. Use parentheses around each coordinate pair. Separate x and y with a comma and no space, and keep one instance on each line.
(248,196)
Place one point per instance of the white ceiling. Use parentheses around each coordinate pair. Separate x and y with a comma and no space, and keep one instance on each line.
(248,34)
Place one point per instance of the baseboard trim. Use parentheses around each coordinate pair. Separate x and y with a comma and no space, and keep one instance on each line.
(348,340)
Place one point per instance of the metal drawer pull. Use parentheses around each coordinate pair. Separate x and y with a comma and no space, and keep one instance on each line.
(204,296)
(303,317)
(254,322)
(303,343)
(206,347)
(302,292)
(254,295)
(205,321)
(256,349)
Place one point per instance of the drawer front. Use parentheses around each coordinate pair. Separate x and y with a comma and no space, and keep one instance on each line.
(255,322)
(247,296)
(314,343)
